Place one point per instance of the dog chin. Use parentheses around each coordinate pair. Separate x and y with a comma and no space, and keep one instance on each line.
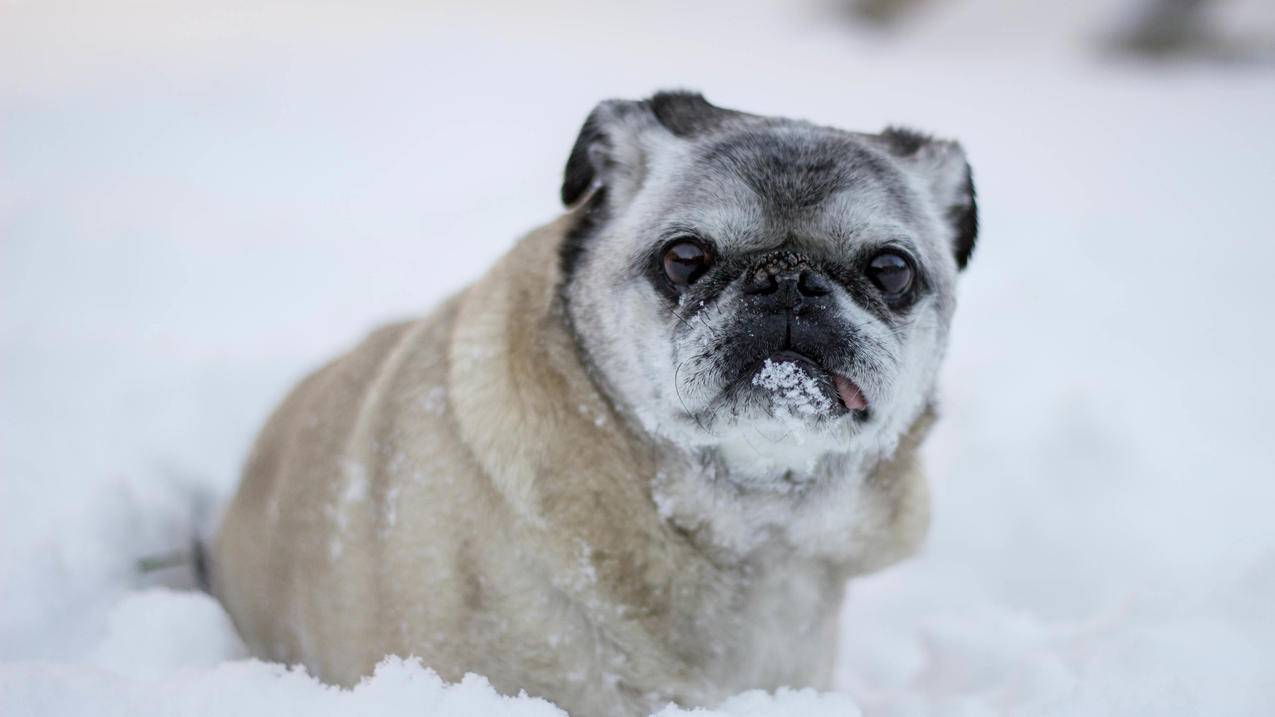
(763,449)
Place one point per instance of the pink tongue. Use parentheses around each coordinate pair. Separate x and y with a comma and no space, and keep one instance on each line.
(850,394)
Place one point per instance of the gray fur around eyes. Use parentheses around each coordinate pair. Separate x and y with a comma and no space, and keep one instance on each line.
(759,181)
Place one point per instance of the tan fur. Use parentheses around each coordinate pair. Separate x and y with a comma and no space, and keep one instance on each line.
(458,489)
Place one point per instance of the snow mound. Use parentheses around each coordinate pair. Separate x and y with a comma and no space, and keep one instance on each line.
(152,632)
(169,652)
(251,687)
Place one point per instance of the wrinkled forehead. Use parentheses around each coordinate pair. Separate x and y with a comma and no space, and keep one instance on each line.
(759,187)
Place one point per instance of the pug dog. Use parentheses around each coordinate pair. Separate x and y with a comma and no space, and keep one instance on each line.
(637,462)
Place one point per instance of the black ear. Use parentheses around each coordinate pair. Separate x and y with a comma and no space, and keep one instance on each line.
(609,148)
(944,170)
(688,114)
(580,171)
(964,217)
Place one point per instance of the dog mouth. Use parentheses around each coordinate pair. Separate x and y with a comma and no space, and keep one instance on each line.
(801,385)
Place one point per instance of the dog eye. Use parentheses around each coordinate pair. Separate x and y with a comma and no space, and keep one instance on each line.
(892,273)
(686,260)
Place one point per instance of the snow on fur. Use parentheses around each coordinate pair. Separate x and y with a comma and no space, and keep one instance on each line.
(792,388)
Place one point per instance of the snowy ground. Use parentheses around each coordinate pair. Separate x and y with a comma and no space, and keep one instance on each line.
(198,203)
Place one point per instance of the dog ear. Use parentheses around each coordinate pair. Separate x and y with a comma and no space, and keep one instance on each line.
(613,144)
(944,171)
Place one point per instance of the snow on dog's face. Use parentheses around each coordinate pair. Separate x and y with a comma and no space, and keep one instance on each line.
(744,280)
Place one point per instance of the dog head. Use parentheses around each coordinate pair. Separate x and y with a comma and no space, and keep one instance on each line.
(758,282)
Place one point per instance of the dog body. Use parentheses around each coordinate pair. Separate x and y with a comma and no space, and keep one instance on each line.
(610,491)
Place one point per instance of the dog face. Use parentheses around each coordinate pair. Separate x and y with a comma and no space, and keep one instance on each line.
(763,285)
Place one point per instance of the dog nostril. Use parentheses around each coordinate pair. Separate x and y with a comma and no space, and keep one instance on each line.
(812,283)
(761,282)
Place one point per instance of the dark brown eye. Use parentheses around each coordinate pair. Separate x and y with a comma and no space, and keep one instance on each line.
(892,273)
(686,260)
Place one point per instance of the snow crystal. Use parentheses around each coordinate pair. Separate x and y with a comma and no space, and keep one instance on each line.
(664,503)
(434,402)
(391,506)
(586,568)
(792,388)
(355,483)
(598,417)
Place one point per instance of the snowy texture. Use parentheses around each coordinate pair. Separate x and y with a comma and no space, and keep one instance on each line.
(783,703)
(792,388)
(398,687)
(199,203)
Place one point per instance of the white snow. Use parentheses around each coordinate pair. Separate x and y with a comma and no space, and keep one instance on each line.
(434,402)
(199,202)
(791,388)
(251,687)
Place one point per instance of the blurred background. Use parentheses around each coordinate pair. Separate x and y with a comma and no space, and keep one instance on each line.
(201,201)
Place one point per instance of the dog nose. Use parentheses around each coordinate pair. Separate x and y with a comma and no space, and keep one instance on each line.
(806,282)
(786,288)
